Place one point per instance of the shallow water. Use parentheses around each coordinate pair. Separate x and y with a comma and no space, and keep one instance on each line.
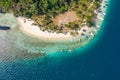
(19,43)
(21,61)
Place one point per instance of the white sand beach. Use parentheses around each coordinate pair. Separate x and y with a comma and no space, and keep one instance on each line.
(34,31)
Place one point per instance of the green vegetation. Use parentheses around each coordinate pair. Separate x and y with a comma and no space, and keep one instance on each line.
(43,11)
(29,8)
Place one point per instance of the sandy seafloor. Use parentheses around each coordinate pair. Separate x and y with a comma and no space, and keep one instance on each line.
(20,56)
(16,44)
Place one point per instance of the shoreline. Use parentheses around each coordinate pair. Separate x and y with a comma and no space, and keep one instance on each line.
(34,31)
(27,28)
(32,44)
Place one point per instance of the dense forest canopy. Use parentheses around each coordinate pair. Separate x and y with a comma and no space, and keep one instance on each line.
(36,7)
(49,8)
(40,7)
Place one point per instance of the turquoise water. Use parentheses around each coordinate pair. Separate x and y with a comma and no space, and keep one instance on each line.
(93,61)
(17,45)
(22,46)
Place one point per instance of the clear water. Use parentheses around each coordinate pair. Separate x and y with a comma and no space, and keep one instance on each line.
(22,57)
(15,43)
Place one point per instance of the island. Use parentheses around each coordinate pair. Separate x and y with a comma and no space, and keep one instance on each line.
(46,26)
(53,16)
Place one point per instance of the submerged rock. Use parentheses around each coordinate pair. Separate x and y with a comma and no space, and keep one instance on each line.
(4,27)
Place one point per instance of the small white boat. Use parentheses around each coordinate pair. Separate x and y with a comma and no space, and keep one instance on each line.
(91,34)
(79,40)
(100,18)
(97,26)
(70,50)
(104,13)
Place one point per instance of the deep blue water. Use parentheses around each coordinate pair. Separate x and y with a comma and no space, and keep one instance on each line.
(101,62)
